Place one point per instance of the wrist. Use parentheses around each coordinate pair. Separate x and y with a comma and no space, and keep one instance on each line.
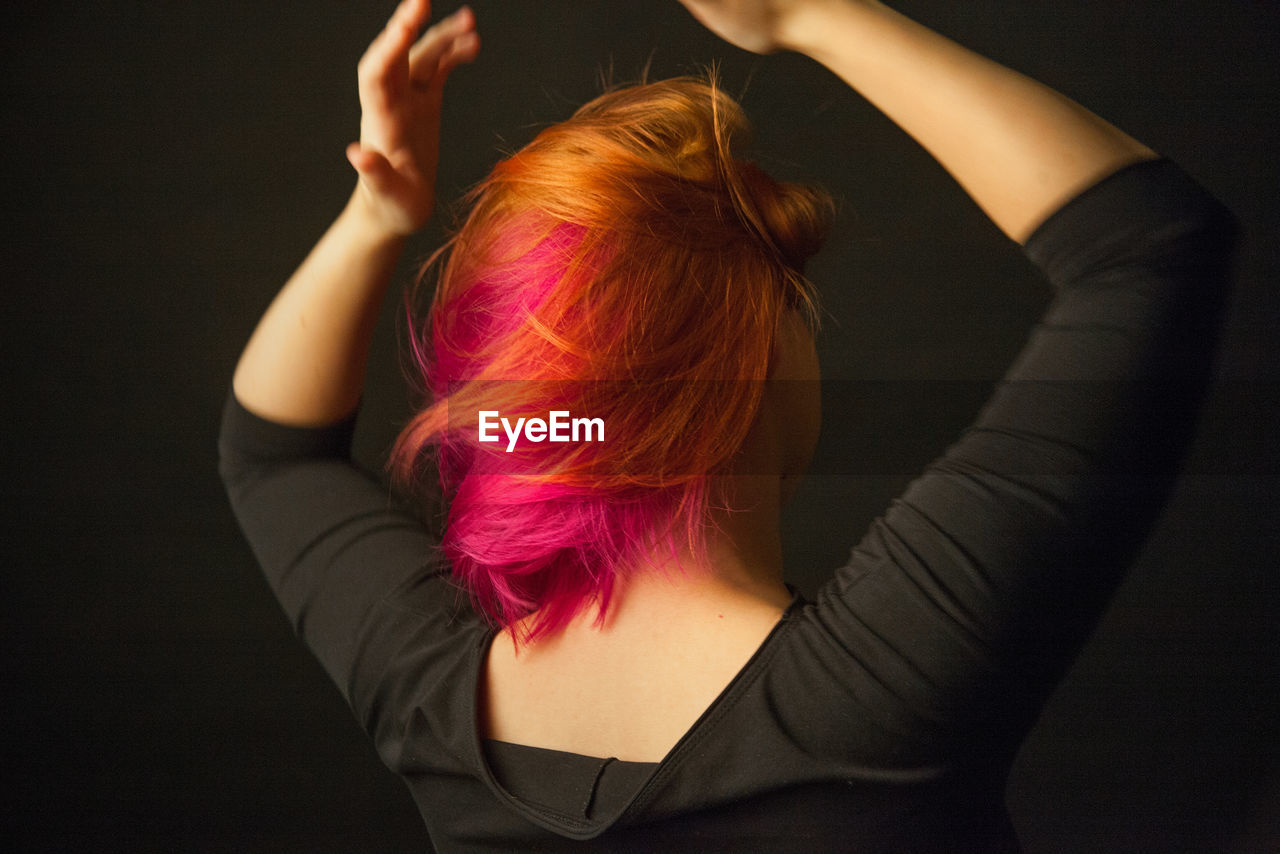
(367,225)
(810,26)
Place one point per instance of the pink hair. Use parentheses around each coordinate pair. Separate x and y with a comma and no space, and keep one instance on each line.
(624,265)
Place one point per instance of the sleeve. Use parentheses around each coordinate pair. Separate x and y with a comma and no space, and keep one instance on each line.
(360,579)
(964,604)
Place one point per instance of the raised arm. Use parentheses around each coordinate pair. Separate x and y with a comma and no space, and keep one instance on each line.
(358,578)
(964,603)
(304,364)
(1018,148)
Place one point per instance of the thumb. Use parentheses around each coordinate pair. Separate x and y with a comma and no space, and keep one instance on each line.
(372,167)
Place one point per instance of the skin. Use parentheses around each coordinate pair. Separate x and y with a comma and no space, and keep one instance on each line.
(305,363)
(1019,148)
(672,640)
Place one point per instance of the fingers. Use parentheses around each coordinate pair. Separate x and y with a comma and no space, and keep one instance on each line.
(385,55)
(463,49)
(394,53)
(451,42)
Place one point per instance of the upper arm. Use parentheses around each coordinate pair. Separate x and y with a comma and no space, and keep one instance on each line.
(975,590)
(359,578)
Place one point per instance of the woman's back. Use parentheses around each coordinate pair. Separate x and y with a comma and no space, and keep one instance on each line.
(633,687)
(708,706)
(884,713)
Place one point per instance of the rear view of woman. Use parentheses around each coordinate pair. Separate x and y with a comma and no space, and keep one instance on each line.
(601,652)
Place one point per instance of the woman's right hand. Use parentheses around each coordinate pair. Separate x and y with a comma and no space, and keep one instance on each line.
(1020,149)
(760,26)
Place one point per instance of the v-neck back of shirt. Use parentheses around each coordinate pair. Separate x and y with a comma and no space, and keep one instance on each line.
(567,783)
(573,792)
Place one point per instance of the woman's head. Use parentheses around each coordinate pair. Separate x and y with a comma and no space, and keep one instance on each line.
(625,266)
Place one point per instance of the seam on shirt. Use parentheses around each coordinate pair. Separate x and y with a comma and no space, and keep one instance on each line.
(595,785)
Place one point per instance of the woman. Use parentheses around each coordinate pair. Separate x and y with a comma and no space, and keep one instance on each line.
(663,687)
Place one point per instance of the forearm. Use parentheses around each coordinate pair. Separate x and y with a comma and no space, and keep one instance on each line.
(304,364)
(1018,148)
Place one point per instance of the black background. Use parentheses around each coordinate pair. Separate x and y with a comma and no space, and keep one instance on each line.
(168,164)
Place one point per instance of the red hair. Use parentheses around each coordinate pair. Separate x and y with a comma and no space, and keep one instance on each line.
(624,265)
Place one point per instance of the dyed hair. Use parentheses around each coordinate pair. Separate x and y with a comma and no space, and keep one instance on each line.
(624,265)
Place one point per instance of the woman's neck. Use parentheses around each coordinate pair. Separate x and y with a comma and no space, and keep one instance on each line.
(673,637)
(740,572)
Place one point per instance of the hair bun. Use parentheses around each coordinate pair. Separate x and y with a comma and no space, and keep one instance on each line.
(792,219)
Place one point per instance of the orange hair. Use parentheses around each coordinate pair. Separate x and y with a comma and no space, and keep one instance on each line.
(625,264)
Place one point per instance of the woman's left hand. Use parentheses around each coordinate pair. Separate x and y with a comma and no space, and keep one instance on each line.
(401,81)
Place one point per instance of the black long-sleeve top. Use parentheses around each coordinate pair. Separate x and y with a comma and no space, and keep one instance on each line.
(884,714)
